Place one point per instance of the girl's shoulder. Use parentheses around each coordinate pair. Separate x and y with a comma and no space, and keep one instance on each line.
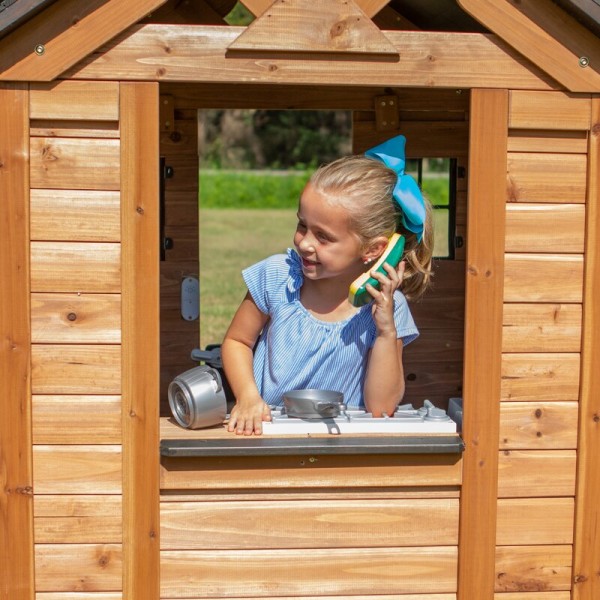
(274,279)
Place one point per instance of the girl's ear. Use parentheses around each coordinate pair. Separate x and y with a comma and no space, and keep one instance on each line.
(375,249)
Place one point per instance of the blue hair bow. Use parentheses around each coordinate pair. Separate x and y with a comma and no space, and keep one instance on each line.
(406,191)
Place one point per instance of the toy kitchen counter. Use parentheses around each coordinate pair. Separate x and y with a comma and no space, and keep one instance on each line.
(192,457)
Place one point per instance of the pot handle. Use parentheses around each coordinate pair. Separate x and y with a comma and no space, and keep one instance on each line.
(328,408)
(216,376)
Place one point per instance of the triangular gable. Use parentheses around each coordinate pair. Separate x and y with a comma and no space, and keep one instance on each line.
(314,27)
(63,34)
(369,7)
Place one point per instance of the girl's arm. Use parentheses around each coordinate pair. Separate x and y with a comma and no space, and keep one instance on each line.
(384,382)
(250,409)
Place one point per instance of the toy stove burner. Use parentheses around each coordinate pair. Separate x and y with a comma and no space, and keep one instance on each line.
(406,419)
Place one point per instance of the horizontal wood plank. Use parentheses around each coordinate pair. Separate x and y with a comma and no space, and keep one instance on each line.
(533,568)
(539,142)
(543,278)
(75,369)
(75,215)
(554,110)
(545,228)
(76,318)
(77,519)
(76,419)
(200,55)
(75,267)
(75,100)
(81,596)
(342,572)
(284,472)
(425,596)
(540,377)
(546,177)
(526,521)
(85,469)
(566,595)
(75,164)
(74,129)
(538,473)
(541,327)
(538,425)
(309,524)
(77,567)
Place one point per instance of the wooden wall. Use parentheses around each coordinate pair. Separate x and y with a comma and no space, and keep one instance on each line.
(94,299)
(179,148)
(541,342)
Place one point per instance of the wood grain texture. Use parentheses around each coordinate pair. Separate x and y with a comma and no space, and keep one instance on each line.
(545,34)
(555,111)
(341,572)
(75,100)
(76,419)
(543,278)
(425,596)
(269,473)
(540,377)
(483,341)
(541,327)
(75,216)
(75,163)
(198,53)
(85,596)
(545,473)
(539,142)
(533,596)
(141,338)
(75,267)
(44,128)
(309,524)
(336,26)
(546,177)
(76,318)
(526,521)
(369,7)
(545,228)
(533,568)
(77,519)
(78,567)
(587,553)
(69,30)
(16,517)
(77,470)
(538,425)
(75,369)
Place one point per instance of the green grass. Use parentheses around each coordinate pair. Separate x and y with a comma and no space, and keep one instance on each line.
(231,240)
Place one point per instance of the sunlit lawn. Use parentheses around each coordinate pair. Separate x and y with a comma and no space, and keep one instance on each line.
(230,240)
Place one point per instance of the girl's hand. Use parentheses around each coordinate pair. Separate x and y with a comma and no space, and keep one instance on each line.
(248,415)
(383,299)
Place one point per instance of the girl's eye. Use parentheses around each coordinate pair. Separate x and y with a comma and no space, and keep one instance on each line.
(300,226)
(322,237)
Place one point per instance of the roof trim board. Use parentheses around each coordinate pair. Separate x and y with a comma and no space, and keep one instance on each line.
(197,53)
(63,34)
(547,36)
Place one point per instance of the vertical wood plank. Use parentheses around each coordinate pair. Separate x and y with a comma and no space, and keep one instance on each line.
(483,342)
(140,338)
(16,478)
(586,566)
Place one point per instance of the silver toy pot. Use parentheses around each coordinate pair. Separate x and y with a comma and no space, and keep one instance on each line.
(313,403)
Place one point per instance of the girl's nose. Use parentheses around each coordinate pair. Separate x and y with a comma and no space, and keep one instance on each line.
(306,245)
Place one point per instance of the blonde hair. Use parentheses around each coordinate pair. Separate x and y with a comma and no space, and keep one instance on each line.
(364,187)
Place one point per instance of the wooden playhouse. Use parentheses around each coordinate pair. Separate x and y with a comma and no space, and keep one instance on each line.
(98,167)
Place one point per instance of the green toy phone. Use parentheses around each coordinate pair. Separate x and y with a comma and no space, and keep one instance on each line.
(392,255)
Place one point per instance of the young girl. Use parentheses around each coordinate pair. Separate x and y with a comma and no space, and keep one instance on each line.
(309,334)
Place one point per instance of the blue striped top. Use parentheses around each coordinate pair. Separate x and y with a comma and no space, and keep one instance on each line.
(298,351)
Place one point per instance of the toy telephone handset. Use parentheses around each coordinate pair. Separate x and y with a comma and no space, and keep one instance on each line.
(392,255)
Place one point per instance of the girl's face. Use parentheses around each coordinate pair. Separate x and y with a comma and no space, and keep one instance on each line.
(323,239)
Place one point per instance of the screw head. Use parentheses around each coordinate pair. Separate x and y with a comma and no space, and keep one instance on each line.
(40,49)
(584,62)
